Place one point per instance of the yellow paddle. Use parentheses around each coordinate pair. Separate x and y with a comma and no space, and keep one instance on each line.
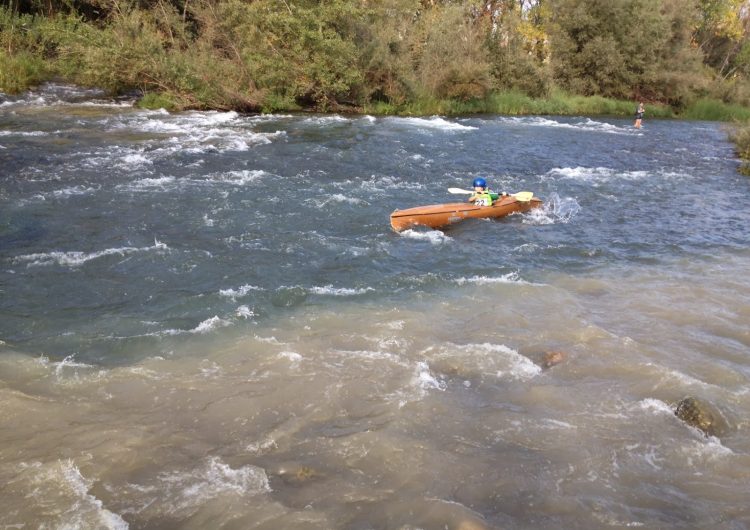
(523,196)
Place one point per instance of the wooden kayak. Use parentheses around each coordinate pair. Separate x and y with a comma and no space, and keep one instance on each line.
(441,215)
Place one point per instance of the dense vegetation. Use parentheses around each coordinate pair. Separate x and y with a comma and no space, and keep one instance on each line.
(513,56)
(683,57)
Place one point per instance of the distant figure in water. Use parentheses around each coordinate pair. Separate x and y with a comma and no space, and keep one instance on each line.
(639,115)
(482,196)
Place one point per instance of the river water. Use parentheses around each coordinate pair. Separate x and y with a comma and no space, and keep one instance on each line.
(207,322)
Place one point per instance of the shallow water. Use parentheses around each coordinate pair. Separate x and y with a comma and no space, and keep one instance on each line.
(206,322)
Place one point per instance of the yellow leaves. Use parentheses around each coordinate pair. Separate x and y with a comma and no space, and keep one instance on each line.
(534,37)
(723,18)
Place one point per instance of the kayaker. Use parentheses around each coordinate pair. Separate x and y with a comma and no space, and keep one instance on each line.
(482,195)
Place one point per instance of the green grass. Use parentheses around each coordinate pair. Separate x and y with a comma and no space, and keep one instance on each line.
(716,110)
(20,71)
(740,136)
(518,104)
(155,101)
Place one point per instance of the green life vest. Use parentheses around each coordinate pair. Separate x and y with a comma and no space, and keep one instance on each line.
(485,198)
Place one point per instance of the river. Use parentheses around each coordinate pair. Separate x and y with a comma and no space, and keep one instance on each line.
(207,322)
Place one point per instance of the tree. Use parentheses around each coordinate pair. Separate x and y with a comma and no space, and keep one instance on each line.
(616,48)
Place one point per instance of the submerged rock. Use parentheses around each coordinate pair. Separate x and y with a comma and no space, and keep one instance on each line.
(697,414)
(552,358)
(296,474)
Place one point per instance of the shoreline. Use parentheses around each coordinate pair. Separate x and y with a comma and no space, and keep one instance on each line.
(511,104)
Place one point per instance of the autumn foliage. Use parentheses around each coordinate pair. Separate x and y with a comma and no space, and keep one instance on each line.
(382,55)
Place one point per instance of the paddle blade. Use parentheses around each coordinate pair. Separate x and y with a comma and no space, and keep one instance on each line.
(523,196)
(459,191)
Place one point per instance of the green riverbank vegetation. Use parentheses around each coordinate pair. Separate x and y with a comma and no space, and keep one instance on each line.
(683,58)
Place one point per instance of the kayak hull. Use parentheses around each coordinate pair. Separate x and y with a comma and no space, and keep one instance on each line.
(442,215)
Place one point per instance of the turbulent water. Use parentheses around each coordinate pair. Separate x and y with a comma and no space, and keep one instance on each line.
(207,322)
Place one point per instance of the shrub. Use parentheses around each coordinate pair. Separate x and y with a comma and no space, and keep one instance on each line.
(715,110)
(21,71)
(157,100)
(740,135)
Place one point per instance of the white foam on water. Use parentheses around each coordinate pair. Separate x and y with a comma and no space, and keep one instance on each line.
(210,324)
(75,190)
(655,406)
(670,377)
(61,194)
(434,123)
(244,311)
(704,449)
(554,210)
(326,120)
(653,457)
(330,290)
(597,126)
(240,177)
(76,258)
(150,184)
(436,237)
(54,94)
(602,175)
(67,363)
(586,125)
(370,354)
(556,424)
(135,160)
(336,197)
(187,491)
(488,359)
(197,132)
(380,184)
(210,369)
(511,277)
(261,446)
(597,175)
(268,340)
(419,385)
(23,133)
(27,101)
(63,484)
(425,380)
(239,292)
(519,367)
(292,356)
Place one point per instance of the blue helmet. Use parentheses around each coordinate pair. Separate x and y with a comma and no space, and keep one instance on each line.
(479,183)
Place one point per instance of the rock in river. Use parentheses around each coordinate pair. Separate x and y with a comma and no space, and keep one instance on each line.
(697,414)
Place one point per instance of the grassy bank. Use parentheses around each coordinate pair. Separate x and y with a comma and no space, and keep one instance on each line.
(740,135)
(514,103)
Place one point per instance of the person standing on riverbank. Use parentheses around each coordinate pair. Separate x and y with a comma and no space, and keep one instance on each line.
(639,115)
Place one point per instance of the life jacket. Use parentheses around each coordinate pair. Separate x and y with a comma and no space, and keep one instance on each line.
(485,198)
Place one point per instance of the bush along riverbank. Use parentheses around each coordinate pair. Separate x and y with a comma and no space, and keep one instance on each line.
(740,135)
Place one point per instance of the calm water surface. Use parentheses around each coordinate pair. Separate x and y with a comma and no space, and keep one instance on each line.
(206,322)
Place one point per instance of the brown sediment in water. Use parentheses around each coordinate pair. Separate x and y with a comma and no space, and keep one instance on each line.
(415,418)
